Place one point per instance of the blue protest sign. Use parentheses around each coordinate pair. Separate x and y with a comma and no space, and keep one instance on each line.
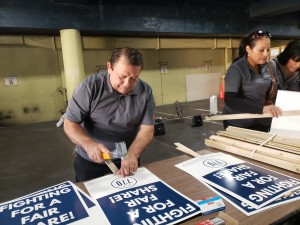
(147,204)
(57,206)
(142,199)
(87,201)
(248,210)
(252,184)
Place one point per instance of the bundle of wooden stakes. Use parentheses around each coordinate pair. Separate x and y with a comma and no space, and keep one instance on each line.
(264,147)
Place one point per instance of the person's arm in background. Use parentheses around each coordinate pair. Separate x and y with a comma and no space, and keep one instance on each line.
(143,138)
(240,104)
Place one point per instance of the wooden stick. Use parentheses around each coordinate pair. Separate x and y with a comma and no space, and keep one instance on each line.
(256,156)
(294,158)
(186,150)
(270,144)
(253,133)
(250,115)
(111,166)
(285,148)
(258,136)
(289,141)
(243,137)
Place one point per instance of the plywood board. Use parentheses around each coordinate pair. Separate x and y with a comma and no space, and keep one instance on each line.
(202,86)
(287,126)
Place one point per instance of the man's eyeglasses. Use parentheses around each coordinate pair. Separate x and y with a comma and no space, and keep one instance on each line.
(259,33)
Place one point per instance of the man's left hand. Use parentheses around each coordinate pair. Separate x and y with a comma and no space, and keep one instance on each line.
(129,165)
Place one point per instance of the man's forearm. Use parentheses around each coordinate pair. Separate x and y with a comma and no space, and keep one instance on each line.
(76,133)
(141,141)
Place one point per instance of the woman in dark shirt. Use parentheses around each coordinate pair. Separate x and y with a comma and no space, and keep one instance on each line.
(286,67)
(248,83)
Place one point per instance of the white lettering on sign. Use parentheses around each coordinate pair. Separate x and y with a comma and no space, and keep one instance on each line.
(168,216)
(139,201)
(228,172)
(34,199)
(273,189)
(132,193)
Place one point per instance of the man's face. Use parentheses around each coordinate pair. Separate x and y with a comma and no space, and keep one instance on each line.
(123,76)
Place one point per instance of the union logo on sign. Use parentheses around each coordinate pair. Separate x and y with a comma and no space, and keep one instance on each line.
(124,182)
(214,163)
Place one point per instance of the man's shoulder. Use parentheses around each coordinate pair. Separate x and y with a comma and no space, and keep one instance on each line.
(97,78)
(144,86)
(143,83)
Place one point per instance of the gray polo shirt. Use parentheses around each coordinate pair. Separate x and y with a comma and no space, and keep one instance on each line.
(250,85)
(108,116)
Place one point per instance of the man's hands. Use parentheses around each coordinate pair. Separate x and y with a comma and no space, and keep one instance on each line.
(79,137)
(129,165)
(94,150)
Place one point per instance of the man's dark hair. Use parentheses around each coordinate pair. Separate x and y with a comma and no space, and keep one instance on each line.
(133,56)
(291,51)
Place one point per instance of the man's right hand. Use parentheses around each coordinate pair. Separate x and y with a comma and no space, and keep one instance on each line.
(79,137)
(94,150)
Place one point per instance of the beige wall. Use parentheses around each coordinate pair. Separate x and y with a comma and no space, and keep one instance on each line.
(169,87)
(182,62)
(35,98)
(37,64)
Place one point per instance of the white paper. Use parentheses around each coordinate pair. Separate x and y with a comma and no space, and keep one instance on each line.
(287,126)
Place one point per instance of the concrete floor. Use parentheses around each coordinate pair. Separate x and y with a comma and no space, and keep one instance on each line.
(36,156)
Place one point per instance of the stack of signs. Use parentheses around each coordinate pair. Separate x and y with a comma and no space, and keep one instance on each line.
(248,187)
(141,199)
(60,204)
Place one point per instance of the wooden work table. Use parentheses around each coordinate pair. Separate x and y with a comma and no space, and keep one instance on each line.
(194,189)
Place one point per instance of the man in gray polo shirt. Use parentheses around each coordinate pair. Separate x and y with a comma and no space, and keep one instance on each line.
(110,107)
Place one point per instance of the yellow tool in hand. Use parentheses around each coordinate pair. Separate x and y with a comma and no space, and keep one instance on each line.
(119,152)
